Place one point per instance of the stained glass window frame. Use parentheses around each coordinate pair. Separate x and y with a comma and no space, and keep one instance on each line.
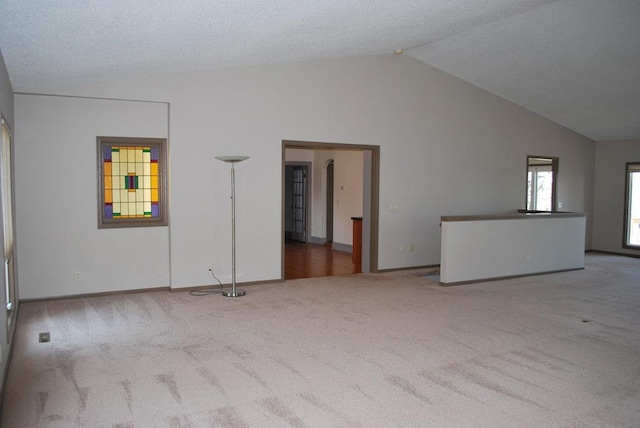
(143,186)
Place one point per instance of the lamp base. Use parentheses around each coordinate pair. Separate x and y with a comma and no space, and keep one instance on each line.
(237,293)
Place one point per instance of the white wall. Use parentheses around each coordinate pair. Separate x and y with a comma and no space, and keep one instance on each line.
(6,93)
(474,250)
(298,155)
(609,200)
(321,160)
(446,148)
(56,199)
(347,194)
(7,111)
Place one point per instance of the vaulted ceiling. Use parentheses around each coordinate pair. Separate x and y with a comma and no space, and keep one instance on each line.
(576,62)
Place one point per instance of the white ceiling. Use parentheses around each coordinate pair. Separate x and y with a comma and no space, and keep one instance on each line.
(576,62)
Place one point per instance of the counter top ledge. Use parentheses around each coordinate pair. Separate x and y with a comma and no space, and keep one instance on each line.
(513,216)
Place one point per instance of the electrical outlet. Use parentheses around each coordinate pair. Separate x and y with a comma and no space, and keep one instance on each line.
(78,275)
(411,248)
(136,271)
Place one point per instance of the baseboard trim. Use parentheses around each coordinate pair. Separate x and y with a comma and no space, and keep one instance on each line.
(500,278)
(342,247)
(613,253)
(97,294)
(407,268)
(225,286)
(145,290)
(317,240)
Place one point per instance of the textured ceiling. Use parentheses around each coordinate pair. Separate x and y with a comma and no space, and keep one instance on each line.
(576,62)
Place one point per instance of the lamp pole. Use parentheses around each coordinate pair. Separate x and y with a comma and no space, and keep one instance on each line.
(233,160)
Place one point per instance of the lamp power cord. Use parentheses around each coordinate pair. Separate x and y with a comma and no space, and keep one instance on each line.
(200,293)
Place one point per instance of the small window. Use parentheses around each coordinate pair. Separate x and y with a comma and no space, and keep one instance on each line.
(632,206)
(131,182)
(541,183)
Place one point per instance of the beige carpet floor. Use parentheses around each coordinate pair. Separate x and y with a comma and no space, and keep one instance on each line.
(367,350)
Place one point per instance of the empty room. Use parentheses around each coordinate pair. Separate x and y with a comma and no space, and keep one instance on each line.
(314,214)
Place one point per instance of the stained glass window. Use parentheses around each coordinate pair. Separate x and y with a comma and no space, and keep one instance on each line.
(131,182)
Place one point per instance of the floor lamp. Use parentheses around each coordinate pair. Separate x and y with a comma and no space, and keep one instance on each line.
(233,160)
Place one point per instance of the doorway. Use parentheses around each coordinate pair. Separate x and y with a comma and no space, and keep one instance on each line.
(296,203)
(322,206)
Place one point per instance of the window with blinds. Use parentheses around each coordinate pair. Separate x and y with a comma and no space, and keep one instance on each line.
(6,200)
(7,206)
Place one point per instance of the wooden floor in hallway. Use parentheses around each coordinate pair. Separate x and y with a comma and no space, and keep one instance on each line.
(304,260)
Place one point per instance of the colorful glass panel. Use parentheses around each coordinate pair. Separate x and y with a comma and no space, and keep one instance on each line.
(130,182)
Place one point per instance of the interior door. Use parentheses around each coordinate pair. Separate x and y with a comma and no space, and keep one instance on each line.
(298,209)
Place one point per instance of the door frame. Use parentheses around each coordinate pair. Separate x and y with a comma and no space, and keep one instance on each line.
(371,198)
(329,206)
